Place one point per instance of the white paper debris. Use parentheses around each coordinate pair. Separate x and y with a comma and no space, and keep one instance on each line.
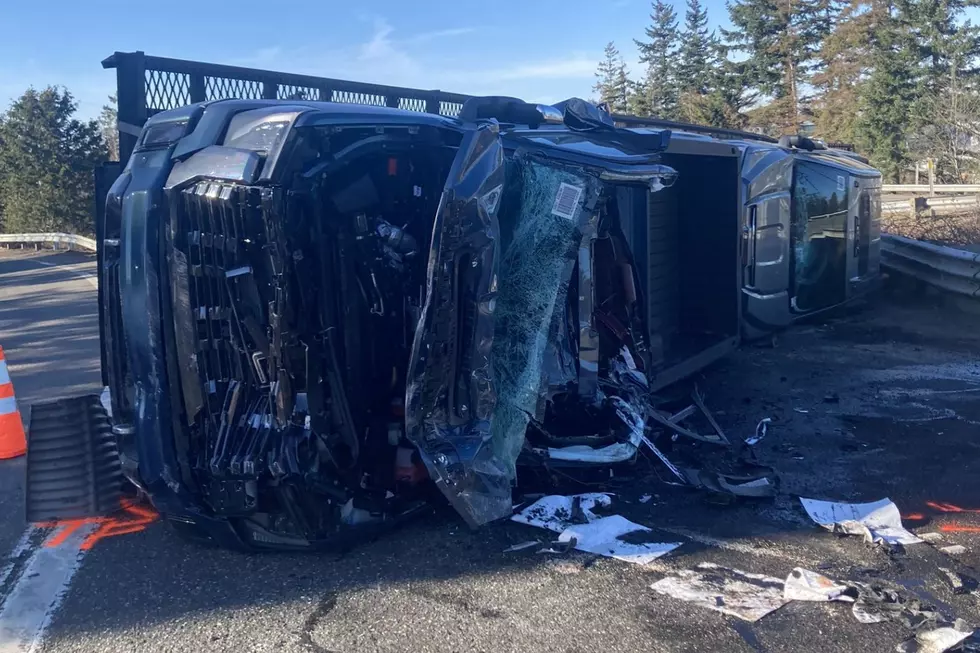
(554,512)
(760,432)
(805,585)
(953,549)
(521,546)
(733,592)
(936,640)
(602,537)
(613,536)
(877,521)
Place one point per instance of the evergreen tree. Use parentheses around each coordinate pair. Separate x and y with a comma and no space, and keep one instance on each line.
(47,164)
(612,83)
(889,92)
(696,48)
(109,129)
(659,53)
(844,65)
(781,39)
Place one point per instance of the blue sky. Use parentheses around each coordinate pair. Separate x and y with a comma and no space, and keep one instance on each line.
(543,51)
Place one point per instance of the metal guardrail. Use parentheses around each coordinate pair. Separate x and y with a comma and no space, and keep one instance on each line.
(942,189)
(915,205)
(951,269)
(71,241)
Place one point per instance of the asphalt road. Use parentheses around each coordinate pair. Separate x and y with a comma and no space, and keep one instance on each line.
(870,404)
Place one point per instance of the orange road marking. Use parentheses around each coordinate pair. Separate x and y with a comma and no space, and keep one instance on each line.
(956,528)
(131,518)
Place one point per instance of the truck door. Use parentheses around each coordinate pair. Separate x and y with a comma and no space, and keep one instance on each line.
(766,177)
(865,232)
(819,236)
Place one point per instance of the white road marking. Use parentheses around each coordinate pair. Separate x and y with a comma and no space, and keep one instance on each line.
(38,592)
(91,278)
(22,545)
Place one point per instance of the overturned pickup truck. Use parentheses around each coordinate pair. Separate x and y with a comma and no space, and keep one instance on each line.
(312,313)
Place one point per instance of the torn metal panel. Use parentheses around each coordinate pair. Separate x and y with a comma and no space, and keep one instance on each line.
(450,396)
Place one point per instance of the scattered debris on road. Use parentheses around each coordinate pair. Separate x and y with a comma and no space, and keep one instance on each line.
(805,585)
(937,640)
(521,546)
(731,591)
(953,549)
(760,432)
(612,536)
(878,521)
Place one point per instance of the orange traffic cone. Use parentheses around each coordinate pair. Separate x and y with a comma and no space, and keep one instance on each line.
(12,440)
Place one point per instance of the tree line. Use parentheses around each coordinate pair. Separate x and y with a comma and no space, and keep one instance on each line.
(48,159)
(898,78)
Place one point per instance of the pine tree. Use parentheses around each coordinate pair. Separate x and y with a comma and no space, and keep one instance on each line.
(696,48)
(844,63)
(613,84)
(659,53)
(109,129)
(781,39)
(888,94)
(47,164)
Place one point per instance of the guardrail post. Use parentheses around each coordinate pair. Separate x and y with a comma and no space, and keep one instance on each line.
(131,98)
(270,89)
(197,88)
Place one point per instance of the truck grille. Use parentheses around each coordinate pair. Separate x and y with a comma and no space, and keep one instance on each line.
(218,316)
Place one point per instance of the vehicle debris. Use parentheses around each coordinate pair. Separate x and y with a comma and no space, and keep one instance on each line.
(730,591)
(879,521)
(522,545)
(876,604)
(953,549)
(960,583)
(937,640)
(645,498)
(760,432)
(805,585)
(930,537)
(613,536)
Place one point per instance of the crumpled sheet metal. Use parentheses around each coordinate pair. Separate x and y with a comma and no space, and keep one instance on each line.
(459,453)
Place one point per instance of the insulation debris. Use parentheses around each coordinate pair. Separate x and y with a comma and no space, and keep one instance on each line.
(612,536)
(879,521)
(805,585)
(731,591)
